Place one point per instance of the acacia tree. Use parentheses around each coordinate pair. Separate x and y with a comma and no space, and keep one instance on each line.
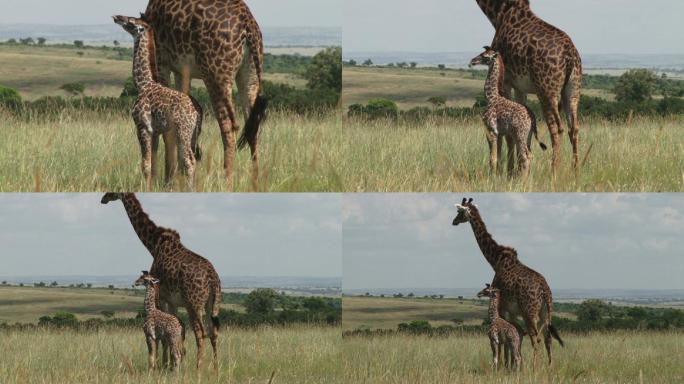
(635,86)
(325,71)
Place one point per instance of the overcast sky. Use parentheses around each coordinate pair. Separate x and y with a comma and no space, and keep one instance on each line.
(241,234)
(269,13)
(599,241)
(596,26)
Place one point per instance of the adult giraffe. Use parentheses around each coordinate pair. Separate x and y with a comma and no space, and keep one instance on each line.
(220,42)
(540,59)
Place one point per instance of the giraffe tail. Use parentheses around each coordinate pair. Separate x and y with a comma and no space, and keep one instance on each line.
(551,328)
(218,296)
(535,130)
(256,116)
(198,129)
(554,333)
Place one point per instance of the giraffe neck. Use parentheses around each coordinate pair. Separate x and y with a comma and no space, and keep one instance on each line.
(488,245)
(494,83)
(151,299)
(145,61)
(494,307)
(144,227)
(495,9)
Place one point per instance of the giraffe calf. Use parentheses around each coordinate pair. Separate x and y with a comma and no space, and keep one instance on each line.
(160,325)
(505,118)
(161,111)
(502,333)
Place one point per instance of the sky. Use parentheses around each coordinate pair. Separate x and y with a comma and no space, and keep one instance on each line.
(577,241)
(611,26)
(241,234)
(269,13)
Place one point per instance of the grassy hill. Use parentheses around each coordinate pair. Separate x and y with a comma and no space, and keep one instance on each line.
(28,304)
(37,71)
(411,88)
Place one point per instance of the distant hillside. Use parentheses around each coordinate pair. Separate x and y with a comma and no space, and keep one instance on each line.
(461,60)
(105,34)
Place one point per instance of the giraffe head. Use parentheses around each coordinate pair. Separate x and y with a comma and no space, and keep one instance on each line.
(464,212)
(147,280)
(485,58)
(111,196)
(135,26)
(489,291)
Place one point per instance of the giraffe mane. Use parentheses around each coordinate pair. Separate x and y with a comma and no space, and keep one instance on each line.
(152,53)
(502,70)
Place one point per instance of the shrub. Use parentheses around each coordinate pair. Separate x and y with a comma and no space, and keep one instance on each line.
(10,98)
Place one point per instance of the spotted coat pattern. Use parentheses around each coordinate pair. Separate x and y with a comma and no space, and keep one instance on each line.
(160,325)
(161,111)
(187,279)
(540,59)
(220,42)
(524,291)
(502,333)
(505,118)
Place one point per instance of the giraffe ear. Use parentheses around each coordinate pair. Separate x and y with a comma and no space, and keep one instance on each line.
(470,201)
(145,273)
(487,48)
(464,201)
(155,281)
(488,286)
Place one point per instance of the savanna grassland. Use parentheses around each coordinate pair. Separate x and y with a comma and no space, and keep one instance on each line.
(642,154)
(465,357)
(615,357)
(292,354)
(82,150)
(297,353)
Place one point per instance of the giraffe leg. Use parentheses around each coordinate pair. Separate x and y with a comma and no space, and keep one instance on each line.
(531,323)
(221,97)
(511,155)
(248,85)
(151,352)
(499,149)
(170,152)
(196,318)
(552,117)
(213,333)
(186,154)
(492,140)
(165,353)
(547,342)
(523,159)
(495,353)
(145,139)
(155,156)
(570,100)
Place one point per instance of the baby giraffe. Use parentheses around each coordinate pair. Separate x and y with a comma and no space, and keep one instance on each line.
(160,325)
(505,118)
(161,111)
(501,332)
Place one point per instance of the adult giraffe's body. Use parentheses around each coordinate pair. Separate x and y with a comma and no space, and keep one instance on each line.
(540,59)
(186,278)
(218,41)
(524,291)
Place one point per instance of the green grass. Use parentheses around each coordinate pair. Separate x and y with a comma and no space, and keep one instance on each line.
(443,156)
(297,354)
(620,357)
(91,152)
